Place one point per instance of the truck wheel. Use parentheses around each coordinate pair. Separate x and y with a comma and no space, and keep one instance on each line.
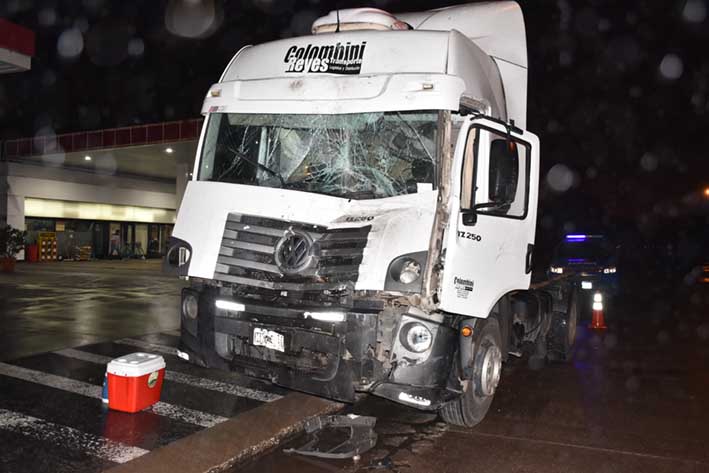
(470,408)
(562,332)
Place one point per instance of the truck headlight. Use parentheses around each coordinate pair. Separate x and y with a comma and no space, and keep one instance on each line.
(416,337)
(405,272)
(410,272)
(557,270)
(190,306)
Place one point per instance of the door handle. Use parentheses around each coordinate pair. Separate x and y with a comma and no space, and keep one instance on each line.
(529,258)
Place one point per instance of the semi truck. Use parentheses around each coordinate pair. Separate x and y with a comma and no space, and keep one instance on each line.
(362,213)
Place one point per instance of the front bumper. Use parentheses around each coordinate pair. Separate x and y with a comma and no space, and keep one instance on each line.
(363,353)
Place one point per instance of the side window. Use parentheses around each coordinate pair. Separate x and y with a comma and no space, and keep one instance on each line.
(495,172)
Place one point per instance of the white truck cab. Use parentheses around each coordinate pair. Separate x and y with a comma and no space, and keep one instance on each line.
(362,211)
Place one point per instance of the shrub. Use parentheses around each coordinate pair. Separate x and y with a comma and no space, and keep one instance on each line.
(12,241)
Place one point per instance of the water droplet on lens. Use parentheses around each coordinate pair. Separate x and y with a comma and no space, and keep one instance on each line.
(695,11)
(70,43)
(560,178)
(136,47)
(671,67)
(648,162)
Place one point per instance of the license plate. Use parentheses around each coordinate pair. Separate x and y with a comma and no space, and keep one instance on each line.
(268,338)
(586,285)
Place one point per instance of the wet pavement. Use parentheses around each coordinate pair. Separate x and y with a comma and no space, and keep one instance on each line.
(52,418)
(62,323)
(633,399)
(47,306)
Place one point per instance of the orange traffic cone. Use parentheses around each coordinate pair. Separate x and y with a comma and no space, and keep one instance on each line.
(597,320)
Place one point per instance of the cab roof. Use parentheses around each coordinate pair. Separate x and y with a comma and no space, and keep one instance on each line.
(365,57)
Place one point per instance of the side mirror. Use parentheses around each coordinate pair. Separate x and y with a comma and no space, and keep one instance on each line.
(504,170)
(178,257)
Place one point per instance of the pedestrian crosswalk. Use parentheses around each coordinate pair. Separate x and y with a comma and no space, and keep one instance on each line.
(68,437)
(180,413)
(193,398)
(210,384)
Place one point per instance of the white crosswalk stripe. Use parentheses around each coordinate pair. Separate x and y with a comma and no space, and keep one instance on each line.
(214,385)
(149,346)
(85,356)
(68,437)
(210,384)
(172,411)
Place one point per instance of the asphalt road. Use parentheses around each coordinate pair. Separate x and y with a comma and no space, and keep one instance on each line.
(62,323)
(633,399)
(48,306)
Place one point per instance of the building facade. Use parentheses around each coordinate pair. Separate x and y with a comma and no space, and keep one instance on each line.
(116,190)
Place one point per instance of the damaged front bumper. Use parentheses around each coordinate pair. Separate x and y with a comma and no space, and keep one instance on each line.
(357,349)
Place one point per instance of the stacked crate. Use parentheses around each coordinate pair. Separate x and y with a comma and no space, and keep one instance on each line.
(85,253)
(47,242)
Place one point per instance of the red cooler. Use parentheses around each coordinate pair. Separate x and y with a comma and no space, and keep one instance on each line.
(135,381)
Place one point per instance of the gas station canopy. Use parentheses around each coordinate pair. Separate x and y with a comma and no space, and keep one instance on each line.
(17,46)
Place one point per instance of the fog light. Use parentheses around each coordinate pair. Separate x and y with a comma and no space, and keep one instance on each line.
(416,337)
(190,306)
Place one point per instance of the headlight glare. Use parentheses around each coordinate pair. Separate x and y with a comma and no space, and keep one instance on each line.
(557,270)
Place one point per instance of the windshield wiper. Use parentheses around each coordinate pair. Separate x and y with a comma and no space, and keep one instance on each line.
(256,164)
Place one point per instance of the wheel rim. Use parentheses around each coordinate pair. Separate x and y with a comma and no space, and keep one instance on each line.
(490,370)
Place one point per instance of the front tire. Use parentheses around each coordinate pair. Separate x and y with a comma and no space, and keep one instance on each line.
(470,408)
(560,341)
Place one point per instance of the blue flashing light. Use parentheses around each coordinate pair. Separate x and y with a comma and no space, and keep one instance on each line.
(575,237)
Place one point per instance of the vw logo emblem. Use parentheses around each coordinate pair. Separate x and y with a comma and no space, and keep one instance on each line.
(293,252)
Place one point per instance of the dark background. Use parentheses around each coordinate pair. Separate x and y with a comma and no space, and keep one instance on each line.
(618,91)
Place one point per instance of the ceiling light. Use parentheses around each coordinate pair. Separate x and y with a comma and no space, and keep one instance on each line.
(169,150)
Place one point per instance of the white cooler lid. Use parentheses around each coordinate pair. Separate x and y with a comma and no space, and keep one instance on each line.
(136,364)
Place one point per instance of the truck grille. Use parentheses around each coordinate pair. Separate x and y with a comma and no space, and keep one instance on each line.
(247,254)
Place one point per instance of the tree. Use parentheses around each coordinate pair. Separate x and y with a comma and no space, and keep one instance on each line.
(12,241)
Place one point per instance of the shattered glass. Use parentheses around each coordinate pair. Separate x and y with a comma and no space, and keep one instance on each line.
(357,156)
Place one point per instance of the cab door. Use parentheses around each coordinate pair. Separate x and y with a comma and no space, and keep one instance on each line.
(490,237)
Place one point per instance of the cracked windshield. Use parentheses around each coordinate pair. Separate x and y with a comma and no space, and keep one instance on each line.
(356,156)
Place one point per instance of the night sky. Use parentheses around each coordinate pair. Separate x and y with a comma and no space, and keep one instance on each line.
(618,91)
